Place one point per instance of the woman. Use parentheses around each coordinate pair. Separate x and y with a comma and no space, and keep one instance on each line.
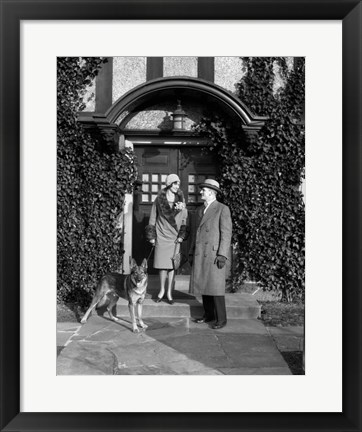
(167,229)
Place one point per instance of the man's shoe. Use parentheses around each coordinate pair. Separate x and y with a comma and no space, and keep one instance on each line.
(203,320)
(218,326)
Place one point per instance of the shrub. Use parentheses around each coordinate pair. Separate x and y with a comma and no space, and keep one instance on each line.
(92,180)
(261,178)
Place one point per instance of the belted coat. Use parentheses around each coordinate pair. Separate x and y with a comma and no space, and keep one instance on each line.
(212,238)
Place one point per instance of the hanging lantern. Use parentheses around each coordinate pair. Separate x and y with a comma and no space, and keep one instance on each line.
(178,118)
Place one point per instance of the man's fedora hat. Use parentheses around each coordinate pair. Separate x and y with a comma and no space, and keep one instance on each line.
(211,184)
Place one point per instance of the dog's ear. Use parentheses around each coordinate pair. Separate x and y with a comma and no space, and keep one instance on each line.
(144,263)
(133,263)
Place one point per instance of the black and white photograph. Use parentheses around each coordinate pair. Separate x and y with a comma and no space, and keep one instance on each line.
(181,215)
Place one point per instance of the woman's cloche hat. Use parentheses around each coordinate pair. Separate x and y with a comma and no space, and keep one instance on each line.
(211,184)
(172,178)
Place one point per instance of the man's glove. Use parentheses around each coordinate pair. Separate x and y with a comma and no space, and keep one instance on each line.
(191,259)
(220,261)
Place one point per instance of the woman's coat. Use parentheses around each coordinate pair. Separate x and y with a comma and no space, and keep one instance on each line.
(166,225)
(212,238)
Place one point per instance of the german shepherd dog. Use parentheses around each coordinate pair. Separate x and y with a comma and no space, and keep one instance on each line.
(110,287)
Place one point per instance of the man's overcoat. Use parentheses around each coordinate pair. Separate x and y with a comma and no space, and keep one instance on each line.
(212,238)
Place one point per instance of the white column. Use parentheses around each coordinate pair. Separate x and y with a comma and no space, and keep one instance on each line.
(127,218)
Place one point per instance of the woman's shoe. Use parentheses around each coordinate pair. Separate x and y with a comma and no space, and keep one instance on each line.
(171,302)
(159,299)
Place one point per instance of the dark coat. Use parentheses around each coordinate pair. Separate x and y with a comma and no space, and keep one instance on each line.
(213,237)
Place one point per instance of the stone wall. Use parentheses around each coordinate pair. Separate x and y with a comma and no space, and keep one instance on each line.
(180,66)
(228,72)
(128,72)
(158,117)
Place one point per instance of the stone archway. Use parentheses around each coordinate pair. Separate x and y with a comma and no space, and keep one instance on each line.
(106,123)
(149,90)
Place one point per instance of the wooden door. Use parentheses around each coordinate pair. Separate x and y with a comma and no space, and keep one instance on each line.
(195,165)
(154,164)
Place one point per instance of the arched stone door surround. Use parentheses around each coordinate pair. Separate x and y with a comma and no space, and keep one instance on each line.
(149,90)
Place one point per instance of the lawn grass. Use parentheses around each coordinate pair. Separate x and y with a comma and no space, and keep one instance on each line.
(294,360)
(274,312)
(68,313)
(277,314)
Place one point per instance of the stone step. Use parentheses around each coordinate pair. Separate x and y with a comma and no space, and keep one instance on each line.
(238,305)
(181,284)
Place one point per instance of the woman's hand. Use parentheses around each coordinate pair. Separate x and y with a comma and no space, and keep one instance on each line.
(180,205)
(180,240)
(152,241)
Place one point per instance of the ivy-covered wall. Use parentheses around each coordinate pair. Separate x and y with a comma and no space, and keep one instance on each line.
(261,177)
(92,179)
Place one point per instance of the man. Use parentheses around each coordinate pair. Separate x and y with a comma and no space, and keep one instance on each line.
(209,250)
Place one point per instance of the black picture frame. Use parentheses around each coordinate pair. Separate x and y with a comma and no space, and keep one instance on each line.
(12,12)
